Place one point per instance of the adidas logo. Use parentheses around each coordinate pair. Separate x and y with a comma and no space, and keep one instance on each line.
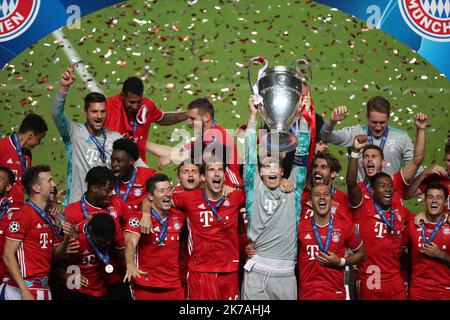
(308,237)
(86,252)
(39,226)
(202,206)
(9,161)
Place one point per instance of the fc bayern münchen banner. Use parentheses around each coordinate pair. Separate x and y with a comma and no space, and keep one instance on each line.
(423,25)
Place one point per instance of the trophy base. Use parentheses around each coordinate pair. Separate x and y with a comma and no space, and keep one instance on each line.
(278,141)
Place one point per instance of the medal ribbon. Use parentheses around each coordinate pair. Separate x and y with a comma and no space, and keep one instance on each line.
(84,208)
(380,212)
(435,231)
(103,256)
(129,186)
(44,217)
(5,204)
(164,225)
(100,147)
(383,137)
(326,247)
(16,143)
(214,208)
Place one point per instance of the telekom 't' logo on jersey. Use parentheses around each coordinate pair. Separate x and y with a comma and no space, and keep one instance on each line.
(312,251)
(206,217)
(380,229)
(43,240)
(16,16)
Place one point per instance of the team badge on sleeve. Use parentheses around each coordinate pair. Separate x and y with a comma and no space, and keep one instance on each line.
(134,222)
(14,226)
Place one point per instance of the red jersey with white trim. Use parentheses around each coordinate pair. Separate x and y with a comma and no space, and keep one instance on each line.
(90,265)
(4,223)
(118,120)
(383,248)
(213,245)
(137,193)
(118,210)
(399,188)
(319,282)
(218,133)
(37,242)
(161,262)
(430,278)
(443,180)
(339,205)
(10,159)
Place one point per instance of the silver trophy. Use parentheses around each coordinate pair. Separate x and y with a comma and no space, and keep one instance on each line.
(279,89)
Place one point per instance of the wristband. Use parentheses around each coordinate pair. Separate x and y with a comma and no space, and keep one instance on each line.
(354,155)
(343,262)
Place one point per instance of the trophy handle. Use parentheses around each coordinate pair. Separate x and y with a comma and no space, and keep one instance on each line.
(305,66)
(256,60)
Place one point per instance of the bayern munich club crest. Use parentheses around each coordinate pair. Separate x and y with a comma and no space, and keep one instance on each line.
(16,16)
(428,18)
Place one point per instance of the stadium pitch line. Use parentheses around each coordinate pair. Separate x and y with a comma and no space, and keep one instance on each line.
(73,57)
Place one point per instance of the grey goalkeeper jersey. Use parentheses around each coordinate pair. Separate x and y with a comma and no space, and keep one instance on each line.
(273,215)
(398,148)
(81,152)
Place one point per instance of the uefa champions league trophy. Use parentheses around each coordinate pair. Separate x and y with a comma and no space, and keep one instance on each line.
(279,89)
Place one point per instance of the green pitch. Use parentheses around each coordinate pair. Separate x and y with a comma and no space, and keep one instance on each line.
(184,50)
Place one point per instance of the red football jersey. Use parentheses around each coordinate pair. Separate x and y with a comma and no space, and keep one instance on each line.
(161,262)
(339,205)
(35,252)
(118,210)
(4,223)
(318,282)
(90,266)
(445,181)
(118,120)
(137,193)
(399,188)
(430,278)
(218,133)
(383,248)
(10,159)
(213,245)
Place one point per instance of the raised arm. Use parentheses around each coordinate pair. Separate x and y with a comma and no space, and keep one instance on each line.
(411,167)
(413,189)
(354,190)
(342,137)
(170,118)
(57,109)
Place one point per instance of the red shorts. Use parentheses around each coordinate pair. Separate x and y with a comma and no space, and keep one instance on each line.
(213,286)
(393,289)
(153,293)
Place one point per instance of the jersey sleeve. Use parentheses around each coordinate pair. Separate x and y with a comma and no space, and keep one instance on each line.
(64,126)
(133,223)
(179,200)
(342,137)
(154,113)
(19,227)
(72,215)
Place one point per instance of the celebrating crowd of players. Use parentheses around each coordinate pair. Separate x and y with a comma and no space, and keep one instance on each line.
(272,228)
